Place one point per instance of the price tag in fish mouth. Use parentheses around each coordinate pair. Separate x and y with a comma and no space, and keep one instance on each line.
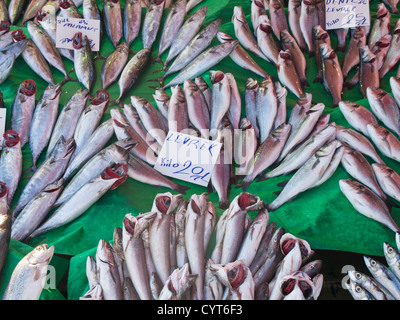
(3,113)
(189,158)
(68,27)
(346,13)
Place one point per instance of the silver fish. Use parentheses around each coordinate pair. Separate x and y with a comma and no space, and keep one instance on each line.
(114,64)
(33,7)
(68,9)
(113,21)
(366,202)
(15,10)
(245,148)
(378,291)
(235,107)
(162,98)
(29,274)
(266,41)
(388,179)
(178,284)
(385,141)
(294,10)
(178,117)
(392,258)
(82,200)
(257,9)
(221,99)
(23,108)
(308,19)
(250,94)
(395,86)
(83,60)
(352,56)
(287,73)
(11,163)
(220,180)
(381,25)
(43,121)
(277,17)
(369,73)
(180,218)
(358,292)
(392,56)
(320,36)
(191,4)
(132,16)
(151,23)
(5,223)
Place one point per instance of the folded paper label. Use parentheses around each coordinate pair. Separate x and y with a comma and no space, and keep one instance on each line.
(346,13)
(3,113)
(68,27)
(189,158)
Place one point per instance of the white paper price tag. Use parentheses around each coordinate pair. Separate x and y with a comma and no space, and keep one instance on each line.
(346,13)
(188,158)
(68,27)
(3,113)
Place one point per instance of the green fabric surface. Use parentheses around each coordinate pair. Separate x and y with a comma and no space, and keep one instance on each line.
(322,216)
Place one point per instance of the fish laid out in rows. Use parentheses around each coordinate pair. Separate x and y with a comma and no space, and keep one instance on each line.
(163,254)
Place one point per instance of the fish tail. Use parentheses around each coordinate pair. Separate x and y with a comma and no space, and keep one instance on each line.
(317,79)
(390,204)
(263,177)
(224,204)
(67,79)
(181,188)
(157,60)
(305,82)
(245,183)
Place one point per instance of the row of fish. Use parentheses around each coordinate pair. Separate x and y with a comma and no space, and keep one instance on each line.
(167,254)
(384,281)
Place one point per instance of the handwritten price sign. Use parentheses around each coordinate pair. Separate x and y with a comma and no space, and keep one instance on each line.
(68,27)
(188,158)
(347,13)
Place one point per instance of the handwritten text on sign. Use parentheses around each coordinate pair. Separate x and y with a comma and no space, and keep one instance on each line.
(68,27)
(188,158)
(3,112)
(347,13)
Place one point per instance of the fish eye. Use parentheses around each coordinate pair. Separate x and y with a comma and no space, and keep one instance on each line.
(358,275)
(373,263)
(358,289)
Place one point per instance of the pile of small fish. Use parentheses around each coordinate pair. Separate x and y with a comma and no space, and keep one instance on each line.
(384,282)
(163,255)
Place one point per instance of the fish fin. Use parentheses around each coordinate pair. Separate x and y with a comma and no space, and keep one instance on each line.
(305,82)
(262,178)
(317,79)
(30,169)
(99,56)
(224,204)
(277,192)
(67,79)
(164,68)
(116,102)
(157,60)
(181,188)
(283,183)
(390,204)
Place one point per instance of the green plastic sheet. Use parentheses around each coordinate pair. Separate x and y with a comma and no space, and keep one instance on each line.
(322,216)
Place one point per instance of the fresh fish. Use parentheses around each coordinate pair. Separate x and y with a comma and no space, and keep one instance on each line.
(381,24)
(294,11)
(132,71)
(320,36)
(49,171)
(205,61)
(132,16)
(392,4)
(43,121)
(220,179)
(366,202)
(11,163)
(191,4)
(83,60)
(180,221)
(388,179)
(134,252)
(5,224)
(277,17)
(383,275)
(23,108)
(297,286)
(162,99)
(151,23)
(29,276)
(320,6)
(302,105)
(178,284)
(243,33)
(196,46)
(305,176)
(90,10)
(33,7)
(385,108)
(358,292)
(68,118)
(392,258)
(205,88)
(109,278)
(378,291)
(357,116)
(90,118)
(210,221)
(221,99)
(35,212)
(287,73)
(266,41)
(358,142)
(392,56)
(15,10)
(241,57)
(395,86)
(360,169)
(172,25)
(82,200)
(235,107)
(178,117)
(385,141)
(51,7)
(267,153)
(308,19)
(266,107)
(46,46)
(114,64)
(113,21)
(250,94)
(289,43)
(369,73)
(332,73)
(352,56)
(257,10)
(68,9)
(245,148)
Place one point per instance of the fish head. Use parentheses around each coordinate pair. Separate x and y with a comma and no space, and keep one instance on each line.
(374,266)
(381,11)
(165,203)
(53,91)
(396,29)
(28,88)
(181,280)
(238,14)
(284,57)
(319,33)
(224,37)
(357,276)
(63,148)
(11,138)
(201,83)
(282,131)
(64,4)
(376,130)
(105,252)
(3,190)
(55,186)
(382,43)
(231,274)
(264,24)
(41,254)
(118,173)
(4,26)
(216,76)
(366,54)
(258,3)
(162,96)
(347,106)
(41,15)
(299,281)
(251,84)
(391,254)
(327,53)
(126,144)
(288,241)
(102,97)
(18,35)
(245,124)
(135,225)
(249,202)
(383,169)
(350,186)
(118,118)
(395,83)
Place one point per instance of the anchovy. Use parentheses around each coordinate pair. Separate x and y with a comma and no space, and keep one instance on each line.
(29,276)
(388,179)
(83,60)
(114,64)
(385,141)
(352,56)
(294,11)
(376,289)
(221,97)
(35,212)
(33,7)
(68,118)
(132,16)
(43,121)
(23,108)
(151,23)
(250,94)
(381,25)
(320,36)
(240,56)
(84,198)
(178,117)
(266,41)
(11,163)
(369,73)
(357,116)
(308,19)
(287,73)
(277,17)
(113,21)
(49,171)
(367,202)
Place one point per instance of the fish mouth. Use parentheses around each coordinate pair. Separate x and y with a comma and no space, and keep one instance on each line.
(29,88)
(258,4)
(223,37)
(64,4)
(129,224)
(382,12)
(307,3)
(40,15)
(216,76)
(77,40)
(236,276)
(266,28)
(288,286)
(3,189)
(246,200)
(285,55)
(101,97)
(383,43)
(11,138)
(118,171)
(163,203)
(18,35)
(251,84)
(4,25)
